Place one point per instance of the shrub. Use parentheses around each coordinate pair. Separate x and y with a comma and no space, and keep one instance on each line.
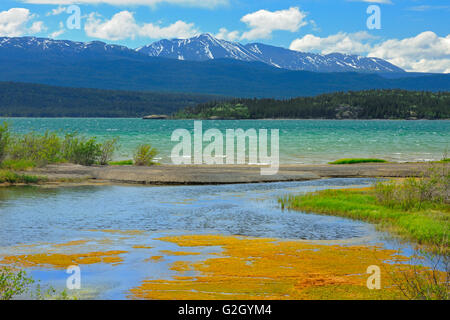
(13,283)
(144,155)
(412,192)
(81,150)
(107,150)
(4,139)
(42,149)
(418,282)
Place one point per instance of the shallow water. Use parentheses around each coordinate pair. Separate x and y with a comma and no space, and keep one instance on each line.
(34,219)
(301,141)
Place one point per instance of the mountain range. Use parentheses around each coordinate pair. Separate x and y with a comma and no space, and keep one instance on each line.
(201,48)
(207,47)
(220,67)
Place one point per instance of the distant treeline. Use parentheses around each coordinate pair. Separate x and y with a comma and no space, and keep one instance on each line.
(370,104)
(36,100)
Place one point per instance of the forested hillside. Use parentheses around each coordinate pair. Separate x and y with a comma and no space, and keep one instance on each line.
(370,104)
(35,100)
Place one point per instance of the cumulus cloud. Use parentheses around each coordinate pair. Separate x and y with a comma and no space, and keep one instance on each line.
(351,43)
(14,23)
(193,3)
(227,35)
(59,32)
(426,52)
(123,26)
(56,11)
(262,23)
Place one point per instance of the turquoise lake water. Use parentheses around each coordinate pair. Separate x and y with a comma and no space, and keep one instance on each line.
(301,141)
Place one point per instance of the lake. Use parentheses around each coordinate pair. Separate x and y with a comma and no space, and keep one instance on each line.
(301,141)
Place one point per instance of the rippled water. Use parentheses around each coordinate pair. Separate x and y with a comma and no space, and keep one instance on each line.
(301,141)
(30,215)
(36,220)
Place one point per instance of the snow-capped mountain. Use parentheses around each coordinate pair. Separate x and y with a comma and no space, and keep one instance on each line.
(200,48)
(49,48)
(207,47)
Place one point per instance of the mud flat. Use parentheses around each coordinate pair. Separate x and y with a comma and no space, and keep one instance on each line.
(220,174)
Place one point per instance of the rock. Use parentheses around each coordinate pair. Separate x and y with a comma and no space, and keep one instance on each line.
(156,117)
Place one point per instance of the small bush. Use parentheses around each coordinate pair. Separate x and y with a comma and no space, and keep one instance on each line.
(81,150)
(357,160)
(42,149)
(4,140)
(13,283)
(144,155)
(107,150)
(412,192)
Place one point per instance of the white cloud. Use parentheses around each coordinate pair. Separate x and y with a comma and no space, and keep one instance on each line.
(263,22)
(192,3)
(179,29)
(59,32)
(13,23)
(351,43)
(227,35)
(426,52)
(123,26)
(56,11)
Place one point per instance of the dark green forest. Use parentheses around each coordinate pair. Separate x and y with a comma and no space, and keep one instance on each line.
(370,104)
(36,100)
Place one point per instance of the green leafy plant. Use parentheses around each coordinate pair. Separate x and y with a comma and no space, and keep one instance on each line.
(4,139)
(145,155)
(13,283)
(107,150)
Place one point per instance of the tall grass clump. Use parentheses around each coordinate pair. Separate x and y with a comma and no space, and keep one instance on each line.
(4,139)
(413,193)
(144,155)
(41,149)
(358,160)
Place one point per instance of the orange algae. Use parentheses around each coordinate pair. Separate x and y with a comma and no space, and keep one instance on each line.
(71,243)
(179,253)
(258,268)
(58,260)
(138,246)
(154,258)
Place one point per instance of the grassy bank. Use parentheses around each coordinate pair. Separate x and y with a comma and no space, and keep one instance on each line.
(358,160)
(413,209)
(27,151)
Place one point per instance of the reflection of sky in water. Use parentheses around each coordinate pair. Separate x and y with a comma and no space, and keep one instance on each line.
(29,215)
(42,217)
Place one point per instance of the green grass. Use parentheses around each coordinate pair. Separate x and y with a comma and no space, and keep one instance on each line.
(358,160)
(121,163)
(445,160)
(427,225)
(17,165)
(7,176)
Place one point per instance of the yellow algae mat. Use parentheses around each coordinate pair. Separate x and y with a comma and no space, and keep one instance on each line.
(259,268)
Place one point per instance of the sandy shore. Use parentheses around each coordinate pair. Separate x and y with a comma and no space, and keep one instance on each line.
(214,174)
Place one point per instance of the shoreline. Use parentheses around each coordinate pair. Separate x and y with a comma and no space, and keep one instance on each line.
(71,174)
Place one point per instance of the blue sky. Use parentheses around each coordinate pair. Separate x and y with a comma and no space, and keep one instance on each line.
(414,34)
